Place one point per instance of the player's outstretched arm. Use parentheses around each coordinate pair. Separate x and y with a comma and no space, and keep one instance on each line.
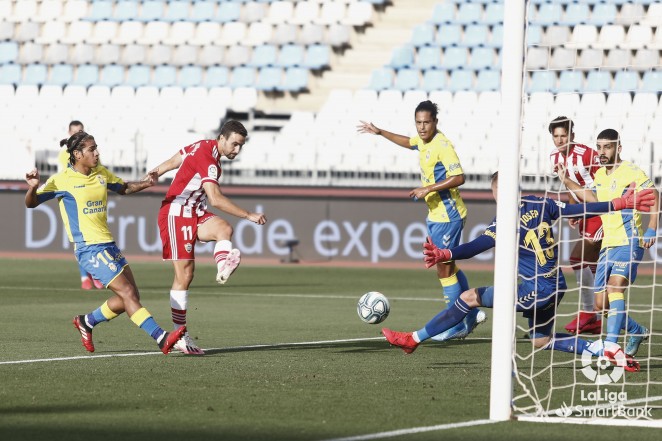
(169,164)
(434,255)
(641,201)
(650,236)
(368,127)
(32,178)
(451,182)
(583,194)
(219,201)
(147,181)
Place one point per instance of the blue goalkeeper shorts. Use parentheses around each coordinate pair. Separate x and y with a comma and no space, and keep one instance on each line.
(103,260)
(617,261)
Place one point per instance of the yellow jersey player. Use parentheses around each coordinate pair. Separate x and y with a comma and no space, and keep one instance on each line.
(441,175)
(82,191)
(623,241)
(86,279)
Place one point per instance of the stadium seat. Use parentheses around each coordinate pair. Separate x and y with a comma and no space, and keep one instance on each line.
(8,52)
(154,32)
(77,32)
(107,54)
(138,75)
(603,14)
(542,81)
(331,12)
(496,37)
(112,75)
(433,80)
(35,74)
(460,80)
(184,55)
(402,57)
(556,36)
(280,12)
(476,35)
(103,32)
(30,53)
(406,79)
(381,79)
(52,32)
(296,80)
(454,58)
(129,32)
(203,34)
(537,58)
(176,11)
(358,14)
(228,11)
(422,34)
(210,55)
(575,14)
(190,76)
(243,99)
(469,13)
(290,55)
(597,81)
(202,11)
(563,58)
(232,33)
(100,10)
(449,35)
(48,11)
(646,59)
(638,36)
(626,81)
(653,16)
(82,54)
(86,75)
(164,76)
(216,76)
(269,78)
(236,56)
(493,14)
(159,54)
(610,36)
(443,13)
(151,10)
(428,57)
(263,56)
(258,33)
(617,59)
(125,10)
(590,59)
(133,54)
(481,58)
(26,31)
(631,13)
(583,36)
(317,56)
(311,33)
(547,14)
(73,11)
(305,13)
(338,35)
(242,77)
(6,30)
(488,80)
(56,53)
(571,81)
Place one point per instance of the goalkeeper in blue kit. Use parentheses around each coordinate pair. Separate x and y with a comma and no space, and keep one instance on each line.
(541,286)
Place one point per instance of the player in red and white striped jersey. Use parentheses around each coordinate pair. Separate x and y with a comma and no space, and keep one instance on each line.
(184,219)
(581,162)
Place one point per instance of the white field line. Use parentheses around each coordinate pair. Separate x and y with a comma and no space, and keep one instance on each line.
(414,430)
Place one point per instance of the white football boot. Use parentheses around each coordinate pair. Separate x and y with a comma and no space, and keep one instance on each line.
(231,264)
(187,346)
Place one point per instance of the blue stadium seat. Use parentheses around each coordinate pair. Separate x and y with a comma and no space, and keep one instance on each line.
(449,35)
(318,56)
(603,14)
(177,11)
(461,80)
(100,10)
(496,38)
(264,55)
(407,79)
(488,80)
(151,10)
(597,81)
(423,34)
(8,52)
(493,14)
(402,56)
(381,79)
(164,76)
(10,74)
(228,11)
(570,81)
(534,35)
(61,74)
(575,13)
(481,58)
(296,80)
(443,13)
(469,13)
(242,77)
(202,11)
(190,76)
(548,14)
(269,78)
(652,81)
(429,57)
(542,81)
(86,75)
(35,74)
(476,35)
(433,80)
(626,81)
(216,76)
(138,75)
(112,75)
(454,58)
(125,10)
(290,55)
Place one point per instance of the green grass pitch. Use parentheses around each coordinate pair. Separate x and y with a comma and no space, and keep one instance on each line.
(288,359)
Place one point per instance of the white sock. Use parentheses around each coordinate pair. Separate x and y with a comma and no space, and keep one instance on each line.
(221,250)
(415,336)
(587,296)
(178,302)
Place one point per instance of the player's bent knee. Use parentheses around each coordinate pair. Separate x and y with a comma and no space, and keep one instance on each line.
(470,297)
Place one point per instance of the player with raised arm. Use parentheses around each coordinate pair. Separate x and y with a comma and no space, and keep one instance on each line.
(624,240)
(184,219)
(82,192)
(541,286)
(582,163)
(441,175)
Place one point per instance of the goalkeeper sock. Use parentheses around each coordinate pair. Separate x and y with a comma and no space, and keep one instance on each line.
(632,327)
(615,316)
(102,314)
(452,288)
(567,343)
(446,319)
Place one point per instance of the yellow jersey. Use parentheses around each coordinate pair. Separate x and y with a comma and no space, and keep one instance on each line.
(62,159)
(83,202)
(620,227)
(439,161)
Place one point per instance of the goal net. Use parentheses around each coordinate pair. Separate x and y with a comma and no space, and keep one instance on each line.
(598,64)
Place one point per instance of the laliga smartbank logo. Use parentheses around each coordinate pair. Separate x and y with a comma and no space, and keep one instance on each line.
(602,375)
(603,404)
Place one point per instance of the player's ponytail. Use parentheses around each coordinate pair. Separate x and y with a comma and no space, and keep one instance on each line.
(63,142)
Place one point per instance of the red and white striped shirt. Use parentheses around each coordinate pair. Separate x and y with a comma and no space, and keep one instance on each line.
(581,163)
(200,164)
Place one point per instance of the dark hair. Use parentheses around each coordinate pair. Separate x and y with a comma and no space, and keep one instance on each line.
(609,134)
(73,123)
(75,142)
(494,176)
(231,127)
(427,106)
(563,122)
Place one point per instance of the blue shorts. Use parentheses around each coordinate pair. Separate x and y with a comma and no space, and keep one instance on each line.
(103,260)
(445,234)
(617,261)
(538,307)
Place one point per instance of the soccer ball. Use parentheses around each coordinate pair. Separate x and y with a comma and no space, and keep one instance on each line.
(373,307)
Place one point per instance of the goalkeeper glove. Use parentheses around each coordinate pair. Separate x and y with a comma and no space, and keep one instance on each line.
(641,201)
(434,255)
